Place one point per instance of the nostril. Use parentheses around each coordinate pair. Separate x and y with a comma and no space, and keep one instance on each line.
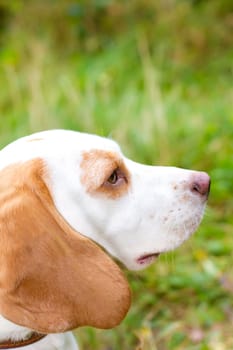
(200,184)
(196,187)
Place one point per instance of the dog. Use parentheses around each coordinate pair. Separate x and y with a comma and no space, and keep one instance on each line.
(70,204)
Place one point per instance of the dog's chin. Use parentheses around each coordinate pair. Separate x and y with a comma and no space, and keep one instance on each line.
(147,258)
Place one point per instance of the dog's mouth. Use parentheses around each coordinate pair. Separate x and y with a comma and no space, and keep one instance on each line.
(147,258)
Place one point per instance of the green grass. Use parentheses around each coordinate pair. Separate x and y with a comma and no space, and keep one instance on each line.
(162,110)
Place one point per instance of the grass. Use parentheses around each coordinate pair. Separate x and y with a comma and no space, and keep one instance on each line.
(162,112)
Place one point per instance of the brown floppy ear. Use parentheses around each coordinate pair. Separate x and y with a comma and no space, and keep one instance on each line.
(52,279)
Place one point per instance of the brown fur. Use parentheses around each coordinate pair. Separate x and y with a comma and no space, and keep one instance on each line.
(97,166)
(52,279)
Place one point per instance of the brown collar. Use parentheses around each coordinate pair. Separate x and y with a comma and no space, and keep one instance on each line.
(20,343)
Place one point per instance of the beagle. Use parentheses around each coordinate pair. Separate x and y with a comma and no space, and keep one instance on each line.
(63,195)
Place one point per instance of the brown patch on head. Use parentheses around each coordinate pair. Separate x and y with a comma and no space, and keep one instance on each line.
(52,278)
(36,139)
(98,169)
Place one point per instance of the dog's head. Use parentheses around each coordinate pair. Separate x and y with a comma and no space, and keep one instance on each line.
(58,184)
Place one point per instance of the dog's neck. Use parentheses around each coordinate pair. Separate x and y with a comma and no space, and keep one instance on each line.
(11,331)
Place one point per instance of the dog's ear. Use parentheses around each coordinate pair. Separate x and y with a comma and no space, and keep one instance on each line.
(52,279)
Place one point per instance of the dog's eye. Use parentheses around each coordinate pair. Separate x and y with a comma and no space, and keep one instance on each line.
(116,182)
(116,179)
(113,178)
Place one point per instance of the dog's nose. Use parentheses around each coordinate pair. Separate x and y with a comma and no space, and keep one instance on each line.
(200,184)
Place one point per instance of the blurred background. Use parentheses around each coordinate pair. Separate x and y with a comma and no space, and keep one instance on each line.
(157,77)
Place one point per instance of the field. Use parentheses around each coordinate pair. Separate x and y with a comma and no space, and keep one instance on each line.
(166,96)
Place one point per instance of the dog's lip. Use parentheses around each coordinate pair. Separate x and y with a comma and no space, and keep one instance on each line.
(147,258)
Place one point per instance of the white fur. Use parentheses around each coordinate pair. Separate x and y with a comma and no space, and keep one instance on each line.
(158,213)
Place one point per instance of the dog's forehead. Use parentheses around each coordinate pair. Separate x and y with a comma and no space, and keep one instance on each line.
(66,139)
(54,144)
